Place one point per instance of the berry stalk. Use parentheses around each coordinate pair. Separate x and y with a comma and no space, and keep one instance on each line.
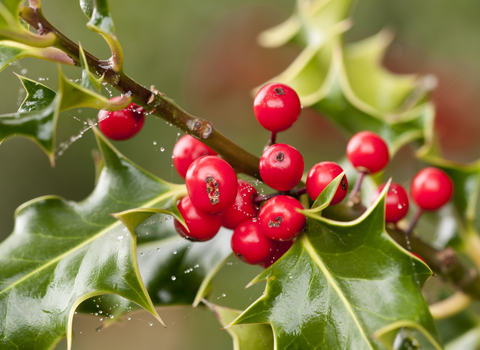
(154,102)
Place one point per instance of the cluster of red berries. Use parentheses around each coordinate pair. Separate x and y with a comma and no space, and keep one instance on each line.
(262,235)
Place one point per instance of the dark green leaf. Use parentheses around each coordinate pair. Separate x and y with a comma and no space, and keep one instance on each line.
(36,117)
(339,283)
(63,252)
(245,337)
(87,7)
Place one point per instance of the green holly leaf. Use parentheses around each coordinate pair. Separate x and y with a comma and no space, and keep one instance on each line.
(37,116)
(89,81)
(12,29)
(347,84)
(309,25)
(245,337)
(339,283)
(63,252)
(11,51)
(101,22)
(175,271)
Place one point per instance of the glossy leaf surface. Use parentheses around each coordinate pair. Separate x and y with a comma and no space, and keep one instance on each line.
(339,283)
(63,252)
(245,337)
(37,116)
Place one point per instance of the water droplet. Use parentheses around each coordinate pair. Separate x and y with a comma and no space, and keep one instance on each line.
(154,143)
(129,318)
(101,319)
(174,278)
(150,324)
(111,316)
(98,305)
(174,252)
(196,266)
(24,71)
(100,312)
(162,149)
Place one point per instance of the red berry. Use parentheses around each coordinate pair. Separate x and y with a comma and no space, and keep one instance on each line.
(431,188)
(123,124)
(281,167)
(279,220)
(396,202)
(243,208)
(321,175)
(276,107)
(202,226)
(250,244)
(186,150)
(278,252)
(211,184)
(368,152)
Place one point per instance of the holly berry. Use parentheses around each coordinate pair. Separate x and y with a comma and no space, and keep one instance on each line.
(250,244)
(396,202)
(321,175)
(202,226)
(279,220)
(123,124)
(368,152)
(186,150)
(276,107)
(431,188)
(211,184)
(243,208)
(281,167)
(278,252)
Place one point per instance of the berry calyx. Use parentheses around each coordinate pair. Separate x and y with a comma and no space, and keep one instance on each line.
(202,226)
(276,107)
(278,252)
(123,124)
(321,175)
(243,207)
(431,188)
(368,152)
(186,150)
(211,184)
(396,202)
(249,244)
(281,167)
(279,220)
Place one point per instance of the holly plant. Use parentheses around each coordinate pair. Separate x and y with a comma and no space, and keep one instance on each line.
(343,260)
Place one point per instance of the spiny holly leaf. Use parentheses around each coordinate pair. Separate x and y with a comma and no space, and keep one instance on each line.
(175,271)
(37,116)
(12,29)
(339,283)
(347,84)
(11,51)
(245,337)
(309,25)
(63,252)
(89,81)
(406,335)
(101,22)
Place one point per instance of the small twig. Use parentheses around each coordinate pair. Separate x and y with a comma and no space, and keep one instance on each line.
(271,141)
(355,198)
(297,192)
(413,222)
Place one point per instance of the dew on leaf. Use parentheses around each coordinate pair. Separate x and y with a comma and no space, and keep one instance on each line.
(173,278)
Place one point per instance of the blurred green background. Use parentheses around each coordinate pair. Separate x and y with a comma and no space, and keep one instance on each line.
(204,55)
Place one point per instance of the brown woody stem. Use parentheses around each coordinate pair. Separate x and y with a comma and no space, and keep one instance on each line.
(153,102)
